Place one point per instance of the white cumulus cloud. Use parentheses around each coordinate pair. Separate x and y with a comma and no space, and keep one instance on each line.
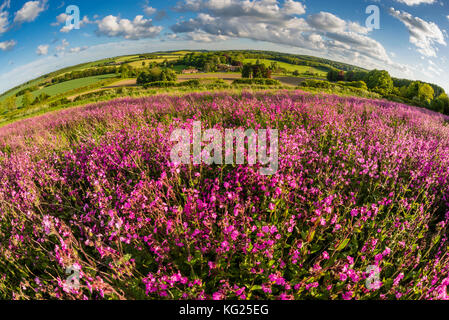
(416,2)
(282,23)
(4,21)
(294,8)
(64,44)
(78,49)
(327,22)
(30,11)
(139,28)
(149,10)
(260,9)
(424,35)
(42,50)
(70,27)
(60,19)
(7,45)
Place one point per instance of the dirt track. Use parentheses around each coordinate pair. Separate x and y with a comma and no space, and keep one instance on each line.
(122,83)
(115,85)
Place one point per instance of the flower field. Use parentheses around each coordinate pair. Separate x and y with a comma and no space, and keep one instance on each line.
(360,183)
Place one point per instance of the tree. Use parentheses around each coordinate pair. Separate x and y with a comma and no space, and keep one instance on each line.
(240,57)
(247,71)
(350,76)
(356,84)
(332,75)
(207,67)
(379,81)
(10,103)
(256,71)
(412,89)
(403,91)
(156,74)
(126,71)
(275,67)
(425,93)
(40,98)
(421,93)
(441,104)
(168,75)
(27,99)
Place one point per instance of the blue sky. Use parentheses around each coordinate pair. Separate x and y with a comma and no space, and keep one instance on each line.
(412,41)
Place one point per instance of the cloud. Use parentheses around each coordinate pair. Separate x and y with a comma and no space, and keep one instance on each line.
(139,28)
(434,71)
(322,32)
(149,11)
(423,34)
(4,22)
(294,8)
(78,49)
(42,50)
(4,16)
(30,11)
(355,27)
(63,48)
(70,27)
(248,8)
(64,44)
(327,22)
(7,45)
(62,18)
(416,2)
(204,37)
(161,14)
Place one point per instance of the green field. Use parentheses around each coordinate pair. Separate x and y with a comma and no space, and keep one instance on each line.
(13,92)
(289,67)
(179,67)
(72,84)
(126,58)
(66,86)
(181,53)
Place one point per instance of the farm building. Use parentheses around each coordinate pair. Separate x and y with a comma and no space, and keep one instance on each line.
(227,67)
(188,71)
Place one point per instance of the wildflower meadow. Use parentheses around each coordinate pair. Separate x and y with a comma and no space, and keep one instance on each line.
(92,207)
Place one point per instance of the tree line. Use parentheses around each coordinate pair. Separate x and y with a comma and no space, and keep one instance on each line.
(210,61)
(83,74)
(418,93)
(156,74)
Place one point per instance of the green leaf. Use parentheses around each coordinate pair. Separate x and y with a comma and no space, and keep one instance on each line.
(343,244)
